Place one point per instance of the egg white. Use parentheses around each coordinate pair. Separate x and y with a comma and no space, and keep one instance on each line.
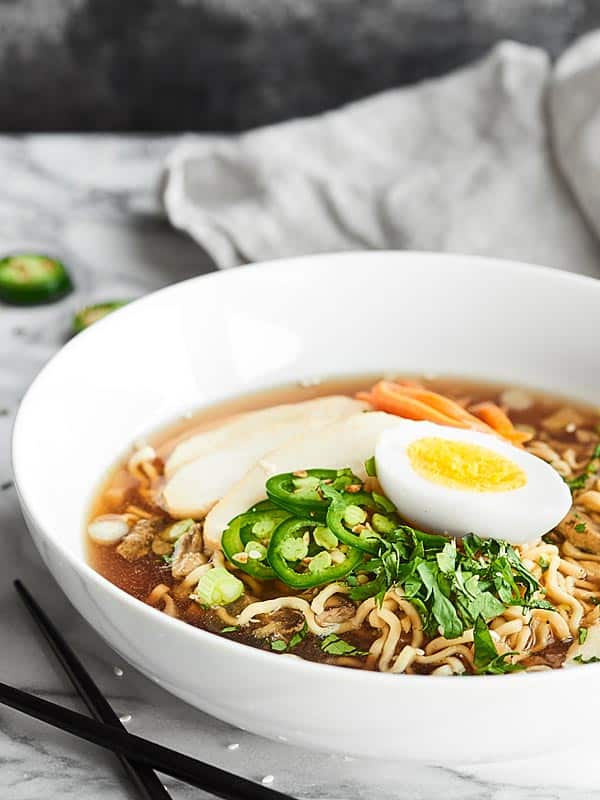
(517,515)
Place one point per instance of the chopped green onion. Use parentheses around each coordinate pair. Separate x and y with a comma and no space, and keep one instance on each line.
(320,562)
(325,538)
(580,527)
(278,645)
(256,551)
(583,632)
(263,528)
(382,524)
(354,515)
(218,587)
(177,529)
(294,549)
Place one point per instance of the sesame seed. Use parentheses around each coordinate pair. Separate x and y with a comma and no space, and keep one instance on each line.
(300,473)
(268,779)
(118,672)
(233,746)
(125,718)
(353,488)
(571,427)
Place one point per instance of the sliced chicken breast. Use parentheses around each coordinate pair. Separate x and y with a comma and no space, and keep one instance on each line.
(321,408)
(222,456)
(346,443)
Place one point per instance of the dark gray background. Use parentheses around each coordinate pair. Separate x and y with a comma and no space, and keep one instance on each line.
(162,65)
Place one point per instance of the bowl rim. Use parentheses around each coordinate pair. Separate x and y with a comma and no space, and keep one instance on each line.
(295,666)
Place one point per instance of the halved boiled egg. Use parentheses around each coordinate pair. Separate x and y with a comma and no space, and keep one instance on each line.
(457,481)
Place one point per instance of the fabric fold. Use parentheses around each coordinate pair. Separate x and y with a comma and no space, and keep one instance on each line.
(461,163)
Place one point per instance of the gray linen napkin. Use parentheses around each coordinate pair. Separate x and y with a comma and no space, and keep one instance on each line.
(462,163)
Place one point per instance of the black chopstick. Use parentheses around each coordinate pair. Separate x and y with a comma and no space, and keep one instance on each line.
(211,779)
(146,781)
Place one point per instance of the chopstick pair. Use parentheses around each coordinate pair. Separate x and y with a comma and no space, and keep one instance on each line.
(138,756)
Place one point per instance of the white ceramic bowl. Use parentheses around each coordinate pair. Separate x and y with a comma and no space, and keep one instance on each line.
(225,334)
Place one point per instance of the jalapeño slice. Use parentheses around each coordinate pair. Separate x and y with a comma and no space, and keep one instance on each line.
(361,519)
(246,539)
(303,556)
(27,279)
(90,314)
(301,493)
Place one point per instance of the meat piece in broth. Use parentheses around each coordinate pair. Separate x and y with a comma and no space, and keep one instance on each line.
(201,469)
(138,541)
(581,531)
(187,554)
(346,443)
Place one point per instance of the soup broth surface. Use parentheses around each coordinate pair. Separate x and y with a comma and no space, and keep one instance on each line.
(569,444)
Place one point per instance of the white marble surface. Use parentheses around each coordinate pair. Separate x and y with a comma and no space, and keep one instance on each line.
(94,202)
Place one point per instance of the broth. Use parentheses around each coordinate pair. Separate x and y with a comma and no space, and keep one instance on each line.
(140,576)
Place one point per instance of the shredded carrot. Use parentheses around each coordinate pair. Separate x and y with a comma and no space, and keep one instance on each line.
(497,419)
(447,406)
(390,397)
(412,401)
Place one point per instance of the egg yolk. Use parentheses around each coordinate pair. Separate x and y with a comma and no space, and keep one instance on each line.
(461,465)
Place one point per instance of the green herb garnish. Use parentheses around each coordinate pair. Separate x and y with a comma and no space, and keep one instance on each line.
(280,645)
(579,482)
(298,637)
(580,527)
(582,660)
(451,587)
(583,633)
(334,646)
(486,658)
(228,629)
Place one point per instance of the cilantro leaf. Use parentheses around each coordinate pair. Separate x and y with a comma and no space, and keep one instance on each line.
(486,658)
(451,583)
(334,646)
(447,558)
(445,615)
(485,605)
(299,636)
